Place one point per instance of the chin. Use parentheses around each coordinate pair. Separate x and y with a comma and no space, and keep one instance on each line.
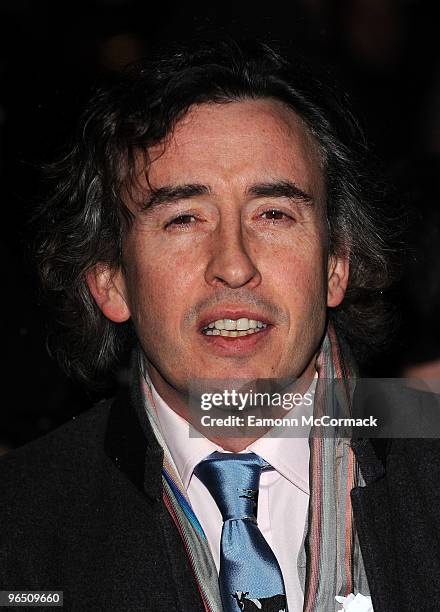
(235,373)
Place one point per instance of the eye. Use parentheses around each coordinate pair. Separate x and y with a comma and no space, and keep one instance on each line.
(275,215)
(181,220)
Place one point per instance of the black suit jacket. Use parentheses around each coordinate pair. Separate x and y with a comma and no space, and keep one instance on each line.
(82,512)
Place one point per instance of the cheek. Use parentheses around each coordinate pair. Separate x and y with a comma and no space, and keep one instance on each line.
(299,273)
(161,277)
(300,282)
(157,292)
(152,299)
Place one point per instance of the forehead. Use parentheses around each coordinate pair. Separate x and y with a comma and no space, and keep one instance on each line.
(236,143)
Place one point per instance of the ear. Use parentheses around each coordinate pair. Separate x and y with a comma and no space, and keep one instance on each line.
(338,270)
(109,291)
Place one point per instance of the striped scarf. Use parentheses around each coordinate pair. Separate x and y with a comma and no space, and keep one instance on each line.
(333,559)
(330,562)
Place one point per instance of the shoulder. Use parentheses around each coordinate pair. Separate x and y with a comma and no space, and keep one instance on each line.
(405,447)
(49,491)
(46,466)
(400,411)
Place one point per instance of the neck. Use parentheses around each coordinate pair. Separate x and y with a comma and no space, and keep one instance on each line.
(178,402)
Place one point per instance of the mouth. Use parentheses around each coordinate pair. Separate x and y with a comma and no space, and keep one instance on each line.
(234,328)
(234,331)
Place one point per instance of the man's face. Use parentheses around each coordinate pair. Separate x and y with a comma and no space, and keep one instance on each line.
(234,236)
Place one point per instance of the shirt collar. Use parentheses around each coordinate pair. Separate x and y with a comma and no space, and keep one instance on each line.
(288,456)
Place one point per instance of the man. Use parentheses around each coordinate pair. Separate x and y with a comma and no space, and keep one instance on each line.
(215,188)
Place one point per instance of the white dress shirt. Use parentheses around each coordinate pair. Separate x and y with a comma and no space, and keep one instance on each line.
(283,494)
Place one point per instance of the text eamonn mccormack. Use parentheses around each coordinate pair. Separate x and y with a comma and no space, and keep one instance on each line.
(304,421)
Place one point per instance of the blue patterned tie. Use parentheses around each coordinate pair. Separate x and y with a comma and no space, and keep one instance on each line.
(248,567)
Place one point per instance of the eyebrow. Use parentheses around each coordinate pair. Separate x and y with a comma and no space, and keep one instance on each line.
(273,189)
(279,189)
(172,193)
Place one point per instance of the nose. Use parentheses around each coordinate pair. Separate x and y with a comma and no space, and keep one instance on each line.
(231,263)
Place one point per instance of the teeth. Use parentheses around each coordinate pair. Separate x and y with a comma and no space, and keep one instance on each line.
(243,324)
(231,325)
(231,333)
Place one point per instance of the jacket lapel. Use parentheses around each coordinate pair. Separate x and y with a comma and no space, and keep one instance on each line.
(371,511)
(131,445)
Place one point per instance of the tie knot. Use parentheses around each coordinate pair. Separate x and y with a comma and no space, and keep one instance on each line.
(233,480)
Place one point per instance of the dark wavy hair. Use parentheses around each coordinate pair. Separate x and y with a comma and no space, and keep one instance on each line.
(83,220)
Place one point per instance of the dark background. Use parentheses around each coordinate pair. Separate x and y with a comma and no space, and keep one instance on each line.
(384,53)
